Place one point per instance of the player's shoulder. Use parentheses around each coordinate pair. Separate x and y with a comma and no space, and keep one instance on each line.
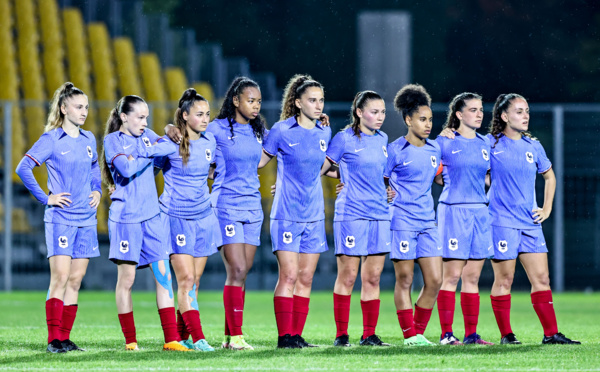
(433,144)
(209,136)
(383,135)
(483,138)
(398,145)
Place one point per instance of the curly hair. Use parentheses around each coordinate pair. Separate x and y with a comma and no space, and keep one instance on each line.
(187,100)
(456,105)
(410,98)
(360,101)
(228,110)
(56,117)
(294,89)
(497,125)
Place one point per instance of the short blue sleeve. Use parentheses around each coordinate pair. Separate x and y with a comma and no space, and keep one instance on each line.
(42,149)
(391,161)
(440,142)
(337,147)
(271,143)
(543,163)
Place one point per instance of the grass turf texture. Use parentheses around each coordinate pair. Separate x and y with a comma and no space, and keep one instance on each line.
(23,337)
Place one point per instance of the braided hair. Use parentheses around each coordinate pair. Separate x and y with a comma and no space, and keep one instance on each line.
(228,110)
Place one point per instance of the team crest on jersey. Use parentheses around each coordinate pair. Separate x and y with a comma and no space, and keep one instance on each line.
(323,145)
(287,237)
(350,241)
(124,246)
(529,157)
(230,230)
(208,154)
(384,151)
(404,246)
(146,141)
(486,155)
(63,242)
(433,162)
(90,153)
(180,238)
(502,246)
(453,244)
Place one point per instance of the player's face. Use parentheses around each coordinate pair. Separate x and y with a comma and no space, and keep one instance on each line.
(517,115)
(198,117)
(372,115)
(472,114)
(248,103)
(420,122)
(311,103)
(75,109)
(136,121)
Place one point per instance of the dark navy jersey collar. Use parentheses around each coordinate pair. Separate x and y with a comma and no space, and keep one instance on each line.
(294,123)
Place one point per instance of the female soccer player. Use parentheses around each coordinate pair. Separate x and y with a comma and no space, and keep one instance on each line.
(239,131)
(135,228)
(70,217)
(463,217)
(516,219)
(411,168)
(299,141)
(361,223)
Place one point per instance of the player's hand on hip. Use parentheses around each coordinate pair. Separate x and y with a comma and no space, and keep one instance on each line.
(59,200)
(540,215)
(95,196)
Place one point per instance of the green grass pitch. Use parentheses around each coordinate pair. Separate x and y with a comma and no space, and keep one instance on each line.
(23,337)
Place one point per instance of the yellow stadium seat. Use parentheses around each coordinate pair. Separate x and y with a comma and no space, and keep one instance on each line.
(176,83)
(206,91)
(52,42)
(128,78)
(154,87)
(103,71)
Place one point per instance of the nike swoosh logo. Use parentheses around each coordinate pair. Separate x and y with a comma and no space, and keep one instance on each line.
(232,137)
(126,147)
(237,311)
(543,244)
(490,247)
(456,152)
(322,244)
(404,330)
(66,152)
(357,150)
(293,144)
(408,162)
(388,243)
(439,248)
(499,152)
(93,249)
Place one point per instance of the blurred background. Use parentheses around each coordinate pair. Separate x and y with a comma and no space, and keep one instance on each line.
(547,51)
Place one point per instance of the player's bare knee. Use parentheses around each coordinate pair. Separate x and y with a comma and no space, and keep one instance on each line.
(305,280)
(186,281)
(404,282)
(541,282)
(288,278)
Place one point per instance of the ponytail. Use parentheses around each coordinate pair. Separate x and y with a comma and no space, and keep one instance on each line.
(294,89)
(187,100)
(56,117)
(360,101)
(456,105)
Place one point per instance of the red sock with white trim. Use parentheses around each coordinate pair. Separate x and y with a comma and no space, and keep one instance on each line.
(544,308)
(421,317)
(233,302)
(501,307)
(407,323)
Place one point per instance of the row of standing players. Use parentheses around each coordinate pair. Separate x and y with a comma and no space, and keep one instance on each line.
(384,205)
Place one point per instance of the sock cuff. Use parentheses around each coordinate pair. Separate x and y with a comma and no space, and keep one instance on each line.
(469,296)
(282,300)
(166,310)
(446,294)
(304,301)
(54,301)
(404,311)
(342,298)
(369,302)
(419,308)
(501,298)
(541,296)
(190,313)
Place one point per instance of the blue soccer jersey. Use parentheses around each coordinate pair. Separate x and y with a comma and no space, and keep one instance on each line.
(466,162)
(300,155)
(361,161)
(411,171)
(72,165)
(237,156)
(135,198)
(186,193)
(515,165)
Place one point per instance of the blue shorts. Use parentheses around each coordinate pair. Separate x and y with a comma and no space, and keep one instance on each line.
(465,231)
(74,241)
(299,237)
(239,226)
(509,242)
(197,238)
(142,242)
(362,237)
(410,245)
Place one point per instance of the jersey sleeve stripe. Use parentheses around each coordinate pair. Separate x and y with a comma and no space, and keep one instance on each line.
(114,157)
(268,153)
(331,160)
(544,171)
(32,158)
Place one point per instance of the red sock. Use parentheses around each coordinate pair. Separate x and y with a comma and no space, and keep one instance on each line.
(542,304)
(501,307)
(341,312)
(54,314)
(168,321)
(469,302)
(422,317)
(181,327)
(370,311)
(233,301)
(446,302)
(407,323)
(283,314)
(68,318)
(128,327)
(299,314)
(192,322)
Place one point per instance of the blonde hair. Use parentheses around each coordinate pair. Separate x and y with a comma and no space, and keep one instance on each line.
(56,117)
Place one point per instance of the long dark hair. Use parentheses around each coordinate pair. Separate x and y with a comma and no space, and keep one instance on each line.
(360,101)
(410,98)
(228,109)
(187,100)
(294,89)
(113,124)
(497,125)
(457,104)
(56,117)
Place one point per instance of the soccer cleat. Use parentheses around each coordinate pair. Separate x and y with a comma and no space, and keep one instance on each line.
(133,346)
(175,346)
(188,343)
(450,339)
(342,340)
(226,341)
(372,340)
(200,345)
(55,346)
(418,340)
(287,342)
(475,339)
(510,339)
(302,343)
(557,339)
(238,343)
(69,345)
